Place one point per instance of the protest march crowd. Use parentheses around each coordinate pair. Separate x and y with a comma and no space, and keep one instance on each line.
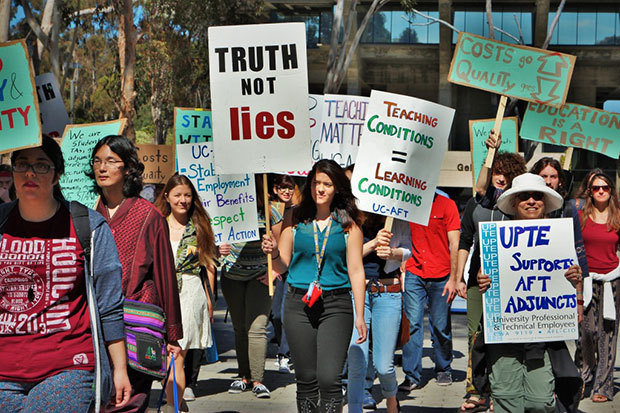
(97,304)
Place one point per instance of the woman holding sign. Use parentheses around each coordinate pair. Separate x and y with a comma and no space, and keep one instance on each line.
(600,221)
(193,244)
(321,248)
(244,285)
(522,376)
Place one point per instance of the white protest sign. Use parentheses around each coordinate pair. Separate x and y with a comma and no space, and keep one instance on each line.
(259,89)
(315,110)
(340,133)
(230,200)
(529,299)
(54,115)
(398,162)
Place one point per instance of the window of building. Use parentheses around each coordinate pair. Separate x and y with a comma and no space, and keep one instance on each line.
(587,26)
(475,21)
(318,25)
(397,26)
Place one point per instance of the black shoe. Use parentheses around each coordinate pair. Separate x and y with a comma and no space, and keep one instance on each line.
(407,385)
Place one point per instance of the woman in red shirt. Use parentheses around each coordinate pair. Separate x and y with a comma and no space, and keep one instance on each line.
(596,353)
(60,307)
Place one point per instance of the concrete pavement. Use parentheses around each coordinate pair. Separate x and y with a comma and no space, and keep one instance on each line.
(212,393)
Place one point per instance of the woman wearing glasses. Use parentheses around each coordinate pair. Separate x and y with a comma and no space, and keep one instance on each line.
(51,303)
(600,222)
(143,242)
(283,192)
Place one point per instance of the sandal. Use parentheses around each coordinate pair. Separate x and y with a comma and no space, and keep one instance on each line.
(599,398)
(480,405)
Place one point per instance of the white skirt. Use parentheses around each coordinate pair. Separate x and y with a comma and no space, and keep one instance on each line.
(194,314)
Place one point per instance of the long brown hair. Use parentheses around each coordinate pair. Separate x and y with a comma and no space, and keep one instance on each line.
(613,216)
(197,213)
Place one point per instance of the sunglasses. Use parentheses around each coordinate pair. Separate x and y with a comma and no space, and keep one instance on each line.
(524,196)
(596,188)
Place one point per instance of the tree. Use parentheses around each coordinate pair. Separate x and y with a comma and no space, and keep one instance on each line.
(341,53)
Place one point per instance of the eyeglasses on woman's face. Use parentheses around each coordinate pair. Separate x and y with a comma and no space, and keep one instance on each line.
(285,189)
(111,162)
(525,196)
(38,167)
(596,188)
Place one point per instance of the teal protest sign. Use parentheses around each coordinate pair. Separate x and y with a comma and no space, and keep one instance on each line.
(521,72)
(478,133)
(192,126)
(575,126)
(20,123)
(77,144)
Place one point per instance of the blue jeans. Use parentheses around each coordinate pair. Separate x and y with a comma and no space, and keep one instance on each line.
(277,310)
(382,314)
(417,292)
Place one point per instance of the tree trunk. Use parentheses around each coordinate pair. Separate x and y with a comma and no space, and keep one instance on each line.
(5,19)
(46,25)
(127,55)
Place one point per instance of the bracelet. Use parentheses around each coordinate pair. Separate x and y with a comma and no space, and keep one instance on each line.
(277,256)
(579,302)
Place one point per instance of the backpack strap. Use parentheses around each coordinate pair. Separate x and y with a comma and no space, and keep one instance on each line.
(81,223)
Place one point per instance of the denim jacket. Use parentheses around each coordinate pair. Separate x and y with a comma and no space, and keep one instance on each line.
(102,271)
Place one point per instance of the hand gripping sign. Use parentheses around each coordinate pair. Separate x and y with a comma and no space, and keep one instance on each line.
(529,299)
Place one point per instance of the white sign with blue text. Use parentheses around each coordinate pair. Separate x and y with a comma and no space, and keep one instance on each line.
(529,299)
(403,143)
(230,200)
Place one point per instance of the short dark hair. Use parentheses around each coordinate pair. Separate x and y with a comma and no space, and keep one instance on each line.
(343,206)
(128,153)
(52,150)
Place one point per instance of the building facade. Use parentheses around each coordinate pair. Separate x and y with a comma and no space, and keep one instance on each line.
(410,54)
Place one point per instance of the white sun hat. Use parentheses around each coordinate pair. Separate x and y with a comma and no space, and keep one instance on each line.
(529,183)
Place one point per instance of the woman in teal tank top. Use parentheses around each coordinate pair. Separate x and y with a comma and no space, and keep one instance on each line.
(321,244)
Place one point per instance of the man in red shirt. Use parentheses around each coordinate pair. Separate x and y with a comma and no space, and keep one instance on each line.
(431,276)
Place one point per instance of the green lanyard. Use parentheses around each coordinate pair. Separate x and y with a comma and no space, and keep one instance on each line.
(320,254)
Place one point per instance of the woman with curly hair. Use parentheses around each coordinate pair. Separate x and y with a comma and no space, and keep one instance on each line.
(143,242)
(321,247)
(596,350)
(493,182)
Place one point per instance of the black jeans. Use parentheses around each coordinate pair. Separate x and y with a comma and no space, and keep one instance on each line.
(318,338)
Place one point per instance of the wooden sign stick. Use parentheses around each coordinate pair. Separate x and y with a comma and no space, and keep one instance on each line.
(388,223)
(270,276)
(496,128)
(568,157)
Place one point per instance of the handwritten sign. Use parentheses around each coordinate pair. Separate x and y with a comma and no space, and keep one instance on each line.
(342,123)
(20,125)
(192,125)
(230,200)
(315,108)
(398,162)
(77,145)
(479,132)
(573,125)
(529,299)
(522,72)
(259,89)
(158,163)
(54,115)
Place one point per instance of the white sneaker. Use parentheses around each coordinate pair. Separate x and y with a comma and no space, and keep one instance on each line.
(284,365)
(188,395)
